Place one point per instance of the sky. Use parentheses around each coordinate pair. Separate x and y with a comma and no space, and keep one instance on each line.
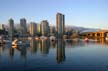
(83,13)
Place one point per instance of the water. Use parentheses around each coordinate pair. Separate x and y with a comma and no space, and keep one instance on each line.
(57,56)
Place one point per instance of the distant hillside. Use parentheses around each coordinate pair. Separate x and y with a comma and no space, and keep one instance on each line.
(80,29)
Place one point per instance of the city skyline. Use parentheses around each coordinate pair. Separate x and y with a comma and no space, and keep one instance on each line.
(90,13)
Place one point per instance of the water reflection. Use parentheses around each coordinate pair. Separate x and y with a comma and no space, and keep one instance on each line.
(33,46)
(23,53)
(48,53)
(60,56)
(45,45)
(11,54)
(74,44)
(52,44)
(1,50)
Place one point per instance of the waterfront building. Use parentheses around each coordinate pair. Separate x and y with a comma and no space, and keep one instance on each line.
(60,24)
(39,29)
(1,27)
(11,27)
(33,46)
(23,25)
(32,29)
(52,30)
(45,28)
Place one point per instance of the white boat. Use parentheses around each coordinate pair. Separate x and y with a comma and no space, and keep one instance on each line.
(19,43)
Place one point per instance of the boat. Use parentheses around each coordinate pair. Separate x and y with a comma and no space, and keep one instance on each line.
(17,42)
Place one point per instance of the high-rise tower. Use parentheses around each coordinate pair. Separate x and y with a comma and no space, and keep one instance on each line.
(32,28)
(23,26)
(45,28)
(60,24)
(11,27)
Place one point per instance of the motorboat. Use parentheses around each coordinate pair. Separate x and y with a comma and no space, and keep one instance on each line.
(14,43)
(17,42)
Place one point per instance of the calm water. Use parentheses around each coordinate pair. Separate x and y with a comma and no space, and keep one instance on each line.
(59,55)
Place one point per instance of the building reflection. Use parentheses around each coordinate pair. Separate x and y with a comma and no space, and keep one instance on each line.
(39,44)
(23,53)
(33,46)
(45,44)
(101,41)
(60,55)
(11,54)
(52,44)
(1,50)
(74,43)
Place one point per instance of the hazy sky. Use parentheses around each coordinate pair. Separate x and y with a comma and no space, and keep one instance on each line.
(85,13)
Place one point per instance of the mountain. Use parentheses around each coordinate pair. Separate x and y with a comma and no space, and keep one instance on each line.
(81,29)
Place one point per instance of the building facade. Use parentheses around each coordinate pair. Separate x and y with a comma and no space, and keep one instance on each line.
(32,29)
(52,30)
(39,29)
(23,26)
(45,28)
(11,27)
(60,24)
(1,27)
